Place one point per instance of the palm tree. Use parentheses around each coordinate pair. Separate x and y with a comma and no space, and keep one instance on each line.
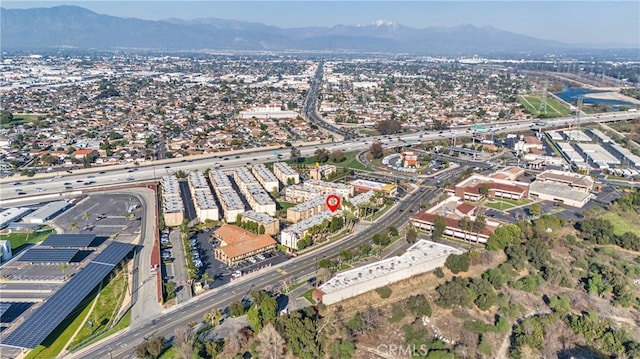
(206,277)
(86,216)
(73,226)
(62,267)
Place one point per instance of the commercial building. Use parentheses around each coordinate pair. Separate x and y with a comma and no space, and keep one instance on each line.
(322,172)
(172,206)
(12,214)
(409,159)
(266,178)
(343,190)
(267,112)
(301,193)
(470,189)
(238,244)
(290,236)
(271,225)
(47,212)
(597,156)
(425,221)
(360,186)
(567,188)
(305,210)
(203,201)
(285,173)
(420,258)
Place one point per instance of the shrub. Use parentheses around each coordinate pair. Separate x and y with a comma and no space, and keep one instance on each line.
(457,263)
(384,292)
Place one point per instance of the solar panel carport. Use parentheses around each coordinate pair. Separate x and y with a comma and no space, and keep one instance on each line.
(46,255)
(37,327)
(70,240)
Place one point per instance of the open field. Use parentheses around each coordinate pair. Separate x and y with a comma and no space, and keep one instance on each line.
(622,223)
(532,102)
(350,161)
(18,240)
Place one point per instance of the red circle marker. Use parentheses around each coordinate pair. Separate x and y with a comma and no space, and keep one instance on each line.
(333,202)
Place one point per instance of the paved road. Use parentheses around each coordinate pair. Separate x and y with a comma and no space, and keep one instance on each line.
(298,268)
(119,175)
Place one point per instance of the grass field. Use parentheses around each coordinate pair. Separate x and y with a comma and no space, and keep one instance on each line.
(532,102)
(628,222)
(308,295)
(504,203)
(284,205)
(53,344)
(18,240)
(350,161)
(105,310)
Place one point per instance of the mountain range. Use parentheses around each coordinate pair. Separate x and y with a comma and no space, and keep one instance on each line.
(76,27)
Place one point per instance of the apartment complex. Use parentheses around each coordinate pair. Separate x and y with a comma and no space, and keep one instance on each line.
(343,190)
(266,178)
(203,201)
(301,193)
(256,196)
(322,172)
(306,210)
(172,207)
(290,236)
(229,199)
(271,225)
(285,173)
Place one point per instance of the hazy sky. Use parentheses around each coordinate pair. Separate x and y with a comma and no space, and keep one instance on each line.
(568,21)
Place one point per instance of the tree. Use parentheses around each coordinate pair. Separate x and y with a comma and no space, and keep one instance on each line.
(419,305)
(411,234)
(387,127)
(5,117)
(504,236)
(393,231)
(325,263)
(272,345)
(155,345)
(214,317)
(73,226)
(376,150)
(183,341)
(343,349)
(321,155)
(253,317)
(457,262)
(484,189)
(479,223)
(85,216)
(336,156)
(439,227)
(535,209)
(295,154)
(236,308)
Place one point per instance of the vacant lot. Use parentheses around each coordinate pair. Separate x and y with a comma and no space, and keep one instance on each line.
(532,102)
(628,221)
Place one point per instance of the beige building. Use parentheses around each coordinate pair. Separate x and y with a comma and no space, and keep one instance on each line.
(285,173)
(306,210)
(271,225)
(172,206)
(266,178)
(322,172)
(203,201)
(343,190)
(238,244)
(300,193)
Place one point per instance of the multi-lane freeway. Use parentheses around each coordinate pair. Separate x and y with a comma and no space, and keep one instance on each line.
(102,177)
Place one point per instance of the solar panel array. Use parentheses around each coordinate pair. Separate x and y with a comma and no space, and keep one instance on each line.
(4,306)
(114,253)
(46,255)
(69,240)
(35,329)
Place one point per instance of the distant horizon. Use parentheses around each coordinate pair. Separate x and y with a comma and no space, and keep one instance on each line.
(572,22)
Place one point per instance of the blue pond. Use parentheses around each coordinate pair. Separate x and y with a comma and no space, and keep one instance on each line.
(571,95)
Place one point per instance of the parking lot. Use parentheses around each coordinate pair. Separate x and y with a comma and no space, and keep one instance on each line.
(219,272)
(107,216)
